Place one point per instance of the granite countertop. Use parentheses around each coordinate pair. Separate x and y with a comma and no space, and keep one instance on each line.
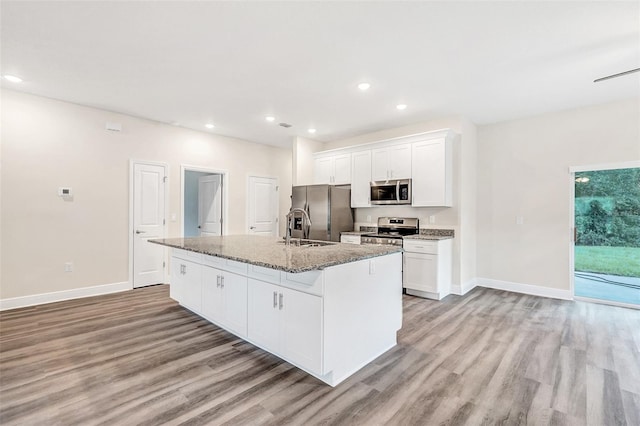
(270,252)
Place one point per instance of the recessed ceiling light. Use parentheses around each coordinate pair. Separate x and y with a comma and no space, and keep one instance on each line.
(401,106)
(364,86)
(311,130)
(270,118)
(209,126)
(12,78)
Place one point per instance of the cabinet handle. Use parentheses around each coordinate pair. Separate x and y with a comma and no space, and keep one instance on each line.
(275,299)
(281,301)
(217,280)
(222,281)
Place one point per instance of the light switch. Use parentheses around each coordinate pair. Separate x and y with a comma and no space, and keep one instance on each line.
(432,219)
(174,217)
(519,220)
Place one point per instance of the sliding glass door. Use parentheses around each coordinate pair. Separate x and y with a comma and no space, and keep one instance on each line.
(607,235)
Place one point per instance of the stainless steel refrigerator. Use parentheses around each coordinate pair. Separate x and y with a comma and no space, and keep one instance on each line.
(329,208)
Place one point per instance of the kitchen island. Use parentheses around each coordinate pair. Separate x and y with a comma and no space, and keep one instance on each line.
(327,308)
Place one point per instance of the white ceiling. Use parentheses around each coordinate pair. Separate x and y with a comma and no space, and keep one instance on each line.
(233,63)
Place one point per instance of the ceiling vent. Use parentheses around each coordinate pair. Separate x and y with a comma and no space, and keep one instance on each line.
(285,125)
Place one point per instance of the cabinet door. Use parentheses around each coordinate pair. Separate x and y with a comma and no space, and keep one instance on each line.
(361,179)
(323,170)
(342,169)
(431,183)
(193,286)
(302,329)
(234,289)
(420,271)
(176,286)
(212,301)
(263,325)
(380,164)
(186,283)
(400,162)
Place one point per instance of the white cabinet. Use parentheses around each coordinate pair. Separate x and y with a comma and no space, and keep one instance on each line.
(361,179)
(393,162)
(427,268)
(432,168)
(334,169)
(286,322)
(350,239)
(224,299)
(186,283)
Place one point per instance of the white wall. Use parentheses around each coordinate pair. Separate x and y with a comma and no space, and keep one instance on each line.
(303,150)
(523,171)
(48,143)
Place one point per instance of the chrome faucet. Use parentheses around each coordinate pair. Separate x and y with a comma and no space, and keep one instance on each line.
(306,223)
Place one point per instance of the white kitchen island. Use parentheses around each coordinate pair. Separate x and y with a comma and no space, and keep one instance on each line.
(328,310)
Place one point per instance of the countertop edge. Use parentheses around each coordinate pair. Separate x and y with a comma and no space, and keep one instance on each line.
(392,250)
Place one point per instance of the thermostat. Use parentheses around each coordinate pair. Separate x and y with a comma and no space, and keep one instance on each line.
(65,191)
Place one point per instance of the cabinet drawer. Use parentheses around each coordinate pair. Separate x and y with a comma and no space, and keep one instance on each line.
(225,264)
(350,239)
(308,282)
(420,246)
(187,255)
(264,274)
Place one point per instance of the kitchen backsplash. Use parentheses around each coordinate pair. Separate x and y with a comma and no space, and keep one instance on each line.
(423,231)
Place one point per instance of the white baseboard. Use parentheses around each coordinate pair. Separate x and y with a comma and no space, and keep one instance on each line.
(57,296)
(534,290)
(465,287)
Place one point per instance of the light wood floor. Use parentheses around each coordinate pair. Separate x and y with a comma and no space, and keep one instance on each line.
(490,357)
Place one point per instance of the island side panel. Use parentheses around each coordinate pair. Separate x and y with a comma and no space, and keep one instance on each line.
(362,313)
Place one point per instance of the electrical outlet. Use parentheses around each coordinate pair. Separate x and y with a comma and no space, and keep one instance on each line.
(369,218)
(372,267)
(68,267)
(432,219)
(519,220)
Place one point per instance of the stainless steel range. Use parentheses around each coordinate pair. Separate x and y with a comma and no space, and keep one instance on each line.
(391,230)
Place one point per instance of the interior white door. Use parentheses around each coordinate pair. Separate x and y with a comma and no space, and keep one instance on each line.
(210,205)
(148,222)
(263,206)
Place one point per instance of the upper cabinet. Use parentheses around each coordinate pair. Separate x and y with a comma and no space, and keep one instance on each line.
(332,169)
(393,162)
(425,158)
(361,179)
(432,165)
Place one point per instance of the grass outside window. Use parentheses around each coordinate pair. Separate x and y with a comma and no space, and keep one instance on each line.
(624,261)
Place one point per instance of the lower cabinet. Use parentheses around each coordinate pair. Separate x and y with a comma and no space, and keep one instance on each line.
(224,299)
(427,268)
(286,322)
(186,283)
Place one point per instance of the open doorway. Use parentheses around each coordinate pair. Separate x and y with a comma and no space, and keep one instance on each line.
(606,249)
(203,202)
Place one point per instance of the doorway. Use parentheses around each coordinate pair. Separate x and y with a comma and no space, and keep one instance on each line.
(263,206)
(148,196)
(606,243)
(203,202)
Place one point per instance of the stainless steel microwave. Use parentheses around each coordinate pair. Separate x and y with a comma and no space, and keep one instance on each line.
(391,192)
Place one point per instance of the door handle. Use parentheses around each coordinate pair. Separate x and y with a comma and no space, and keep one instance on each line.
(275,299)
(222,281)
(281,301)
(140,232)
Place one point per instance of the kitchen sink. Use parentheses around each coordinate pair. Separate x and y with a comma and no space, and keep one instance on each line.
(300,242)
